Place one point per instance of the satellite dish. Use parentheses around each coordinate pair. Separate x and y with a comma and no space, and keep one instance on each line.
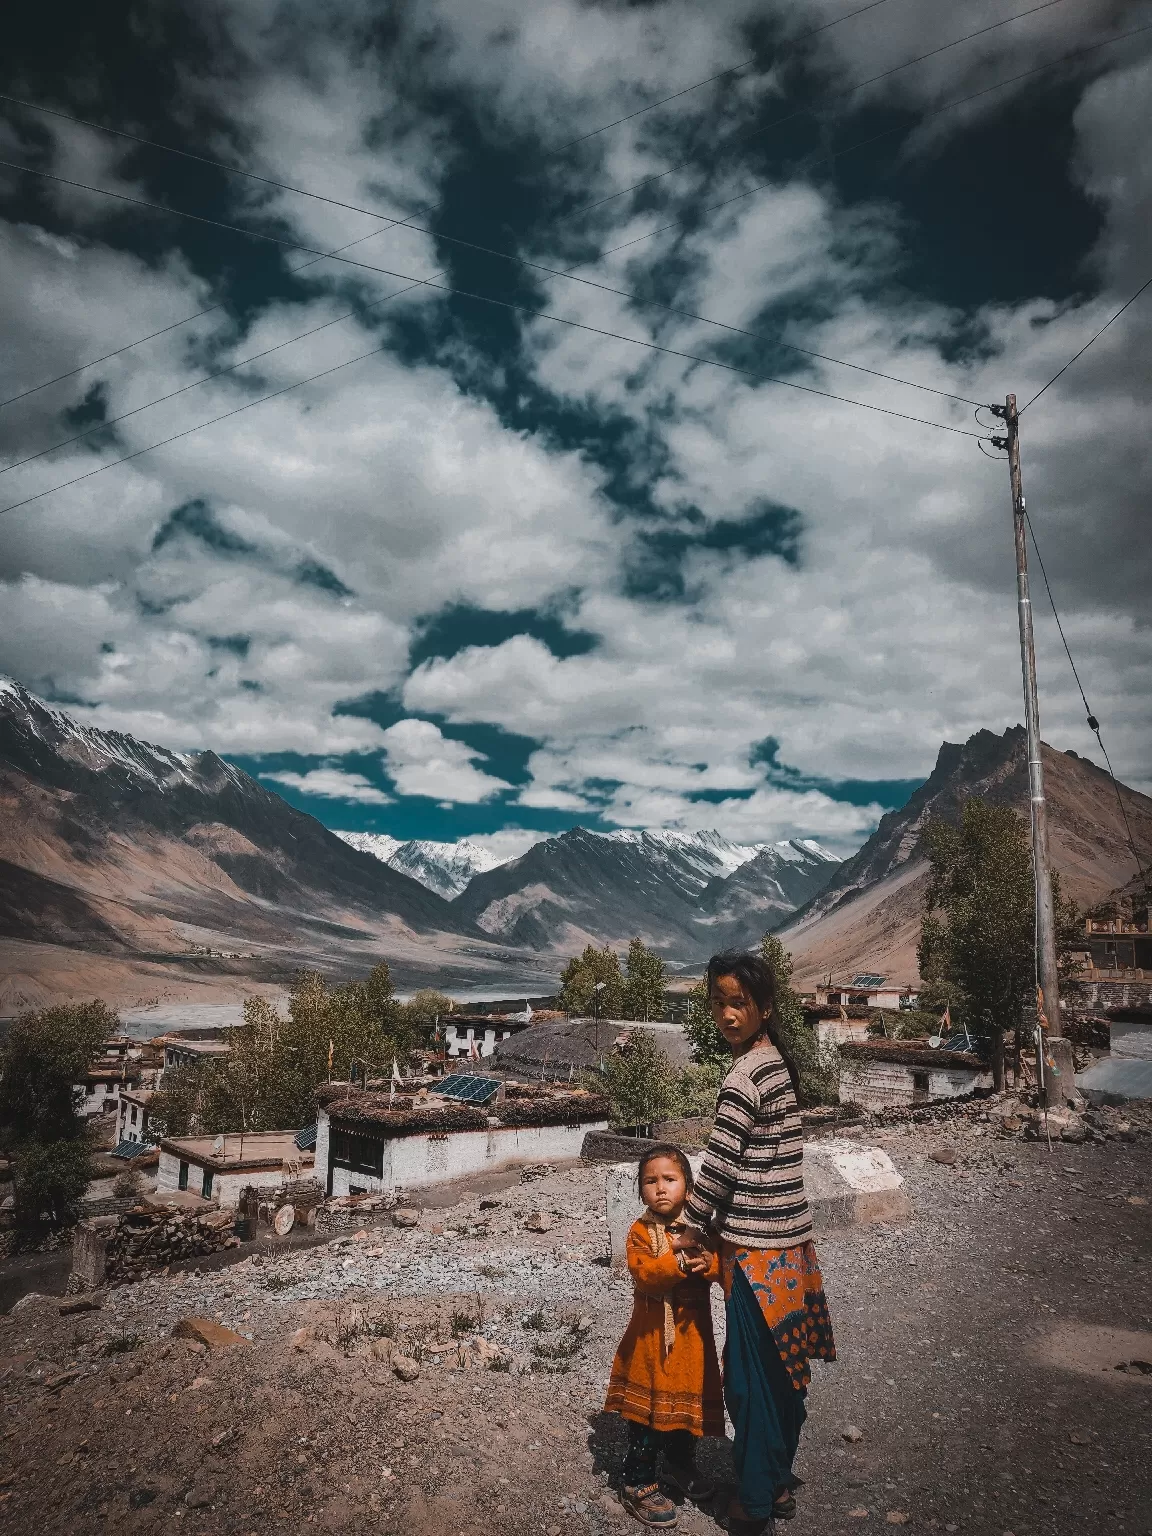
(218,1146)
(934,1042)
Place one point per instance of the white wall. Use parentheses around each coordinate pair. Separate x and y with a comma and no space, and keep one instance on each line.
(457,1045)
(887,1084)
(413,1162)
(226,1187)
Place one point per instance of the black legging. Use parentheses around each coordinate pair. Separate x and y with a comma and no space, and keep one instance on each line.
(644,1447)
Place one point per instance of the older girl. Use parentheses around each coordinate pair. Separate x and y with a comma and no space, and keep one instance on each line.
(749,1201)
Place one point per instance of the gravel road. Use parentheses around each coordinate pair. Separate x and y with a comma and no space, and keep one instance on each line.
(976,1389)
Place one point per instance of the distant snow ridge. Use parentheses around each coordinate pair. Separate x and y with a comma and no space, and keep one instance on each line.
(445,868)
(100,751)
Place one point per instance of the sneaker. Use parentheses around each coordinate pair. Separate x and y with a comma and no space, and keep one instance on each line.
(690,1483)
(650,1506)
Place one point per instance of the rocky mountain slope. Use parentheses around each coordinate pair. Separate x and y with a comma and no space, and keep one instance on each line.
(867,916)
(669,888)
(114,847)
(445,868)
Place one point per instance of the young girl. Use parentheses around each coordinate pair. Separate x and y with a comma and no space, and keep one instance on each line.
(665,1377)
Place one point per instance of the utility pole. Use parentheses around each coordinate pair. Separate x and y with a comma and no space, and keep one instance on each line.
(1058,1068)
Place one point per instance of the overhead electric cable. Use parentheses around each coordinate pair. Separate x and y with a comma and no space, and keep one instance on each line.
(207,378)
(724,74)
(886,133)
(1093,722)
(756,133)
(84,122)
(430,282)
(567,273)
(1086,345)
(412,282)
(176,324)
(578,325)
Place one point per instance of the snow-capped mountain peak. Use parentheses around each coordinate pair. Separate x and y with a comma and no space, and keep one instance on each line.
(445,868)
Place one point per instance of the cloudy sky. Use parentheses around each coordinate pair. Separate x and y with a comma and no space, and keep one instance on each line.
(495,551)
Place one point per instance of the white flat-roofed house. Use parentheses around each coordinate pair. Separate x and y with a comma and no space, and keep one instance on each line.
(133,1122)
(219,1167)
(372,1142)
(884,1074)
(476,1035)
(867,990)
(182,1051)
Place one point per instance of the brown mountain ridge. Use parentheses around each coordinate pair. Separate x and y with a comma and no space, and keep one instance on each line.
(868,915)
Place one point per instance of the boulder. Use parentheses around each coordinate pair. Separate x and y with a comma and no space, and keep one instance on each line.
(405,1216)
(405,1368)
(211,1334)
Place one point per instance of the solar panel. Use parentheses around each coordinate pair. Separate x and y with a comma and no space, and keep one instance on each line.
(470,1090)
(868,980)
(129,1149)
(306,1139)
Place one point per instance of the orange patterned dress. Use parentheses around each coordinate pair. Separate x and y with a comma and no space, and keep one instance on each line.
(665,1373)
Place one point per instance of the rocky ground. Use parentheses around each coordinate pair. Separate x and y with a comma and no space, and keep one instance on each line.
(977,1389)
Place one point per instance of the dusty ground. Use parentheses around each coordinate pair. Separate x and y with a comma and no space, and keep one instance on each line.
(978,1349)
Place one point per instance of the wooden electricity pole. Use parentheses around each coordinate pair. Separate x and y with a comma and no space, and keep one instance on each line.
(1058,1065)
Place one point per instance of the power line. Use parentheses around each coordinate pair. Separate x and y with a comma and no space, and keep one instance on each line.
(569,272)
(429,282)
(151,143)
(886,133)
(1087,344)
(1093,723)
(744,138)
(650,346)
(735,69)
(207,378)
(176,324)
(537,266)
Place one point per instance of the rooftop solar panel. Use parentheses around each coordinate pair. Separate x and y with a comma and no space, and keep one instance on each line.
(470,1090)
(868,980)
(306,1139)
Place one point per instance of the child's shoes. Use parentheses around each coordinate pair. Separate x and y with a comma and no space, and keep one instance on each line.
(650,1506)
(690,1483)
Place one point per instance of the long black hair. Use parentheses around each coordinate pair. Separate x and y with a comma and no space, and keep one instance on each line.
(758,979)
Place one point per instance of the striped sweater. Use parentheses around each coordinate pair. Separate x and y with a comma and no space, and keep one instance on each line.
(750,1190)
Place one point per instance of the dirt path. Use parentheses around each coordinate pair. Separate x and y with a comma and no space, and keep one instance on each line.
(978,1349)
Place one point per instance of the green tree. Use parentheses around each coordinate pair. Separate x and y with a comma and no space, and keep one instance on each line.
(419,1014)
(976,950)
(697,1087)
(818,1066)
(50,1178)
(274,1064)
(592,984)
(643,983)
(640,1081)
(709,1047)
(45,1055)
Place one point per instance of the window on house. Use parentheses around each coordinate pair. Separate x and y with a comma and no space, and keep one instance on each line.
(182,1181)
(206,1184)
(135,1116)
(356,1151)
(919,1087)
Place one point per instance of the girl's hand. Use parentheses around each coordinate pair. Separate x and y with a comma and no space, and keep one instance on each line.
(690,1237)
(687,1241)
(696,1263)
